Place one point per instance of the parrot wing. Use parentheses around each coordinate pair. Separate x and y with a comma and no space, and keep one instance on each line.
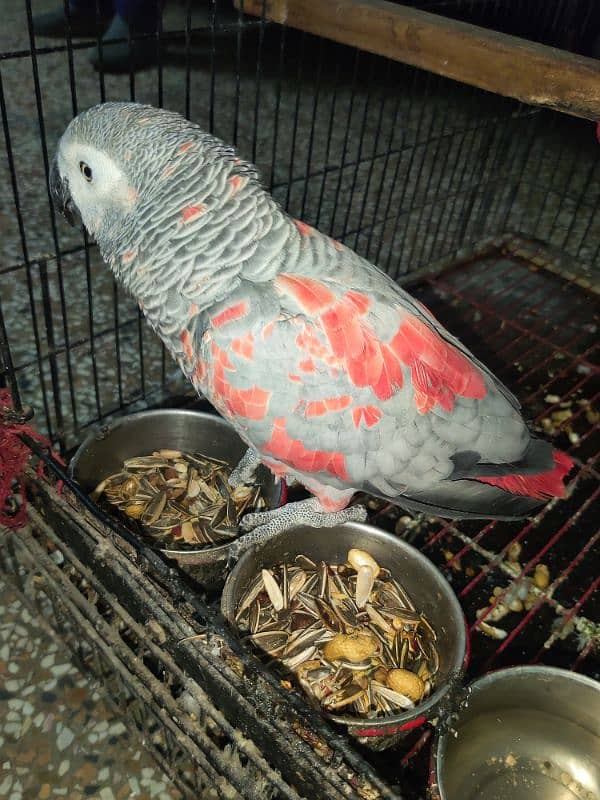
(341,388)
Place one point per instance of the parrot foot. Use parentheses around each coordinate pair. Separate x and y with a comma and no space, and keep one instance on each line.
(244,472)
(264,525)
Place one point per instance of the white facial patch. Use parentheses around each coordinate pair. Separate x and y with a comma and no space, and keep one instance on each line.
(107,189)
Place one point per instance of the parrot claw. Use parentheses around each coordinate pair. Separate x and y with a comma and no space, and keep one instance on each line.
(251,521)
(235,551)
(263,525)
(244,471)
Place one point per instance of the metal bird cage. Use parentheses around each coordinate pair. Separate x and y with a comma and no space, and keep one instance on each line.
(485,207)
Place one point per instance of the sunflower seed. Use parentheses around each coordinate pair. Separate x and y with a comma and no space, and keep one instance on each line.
(155,508)
(307,605)
(273,590)
(179,495)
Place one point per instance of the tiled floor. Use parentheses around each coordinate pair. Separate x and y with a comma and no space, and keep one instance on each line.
(58,736)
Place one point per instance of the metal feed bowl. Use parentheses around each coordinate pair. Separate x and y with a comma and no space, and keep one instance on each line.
(102,453)
(428,588)
(526,733)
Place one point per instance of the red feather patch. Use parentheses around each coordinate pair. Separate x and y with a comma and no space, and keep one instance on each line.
(236,183)
(309,341)
(190,213)
(307,365)
(200,370)
(229,315)
(268,330)
(370,414)
(439,371)
(304,229)
(310,294)
(252,403)
(360,301)
(368,361)
(542,486)
(244,346)
(317,408)
(292,452)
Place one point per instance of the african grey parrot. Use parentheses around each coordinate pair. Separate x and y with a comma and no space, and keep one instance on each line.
(333,375)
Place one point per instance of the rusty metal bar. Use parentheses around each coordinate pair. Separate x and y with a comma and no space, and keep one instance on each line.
(506,65)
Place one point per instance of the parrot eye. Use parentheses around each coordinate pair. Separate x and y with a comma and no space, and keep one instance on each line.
(86,171)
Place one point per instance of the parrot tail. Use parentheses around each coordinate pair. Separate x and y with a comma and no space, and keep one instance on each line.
(513,492)
(542,485)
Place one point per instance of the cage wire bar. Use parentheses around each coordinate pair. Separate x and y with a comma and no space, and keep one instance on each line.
(486,207)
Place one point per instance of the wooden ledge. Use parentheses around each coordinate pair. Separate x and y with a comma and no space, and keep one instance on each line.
(506,65)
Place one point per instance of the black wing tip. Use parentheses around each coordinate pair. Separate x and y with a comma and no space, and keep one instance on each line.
(470,500)
(538,457)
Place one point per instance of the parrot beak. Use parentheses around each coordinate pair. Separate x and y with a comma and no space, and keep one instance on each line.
(61,197)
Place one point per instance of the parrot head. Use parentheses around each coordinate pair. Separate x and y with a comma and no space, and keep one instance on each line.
(89,179)
(109,157)
(140,179)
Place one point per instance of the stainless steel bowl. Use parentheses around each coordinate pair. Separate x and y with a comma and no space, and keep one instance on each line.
(427,586)
(527,733)
(104,450)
